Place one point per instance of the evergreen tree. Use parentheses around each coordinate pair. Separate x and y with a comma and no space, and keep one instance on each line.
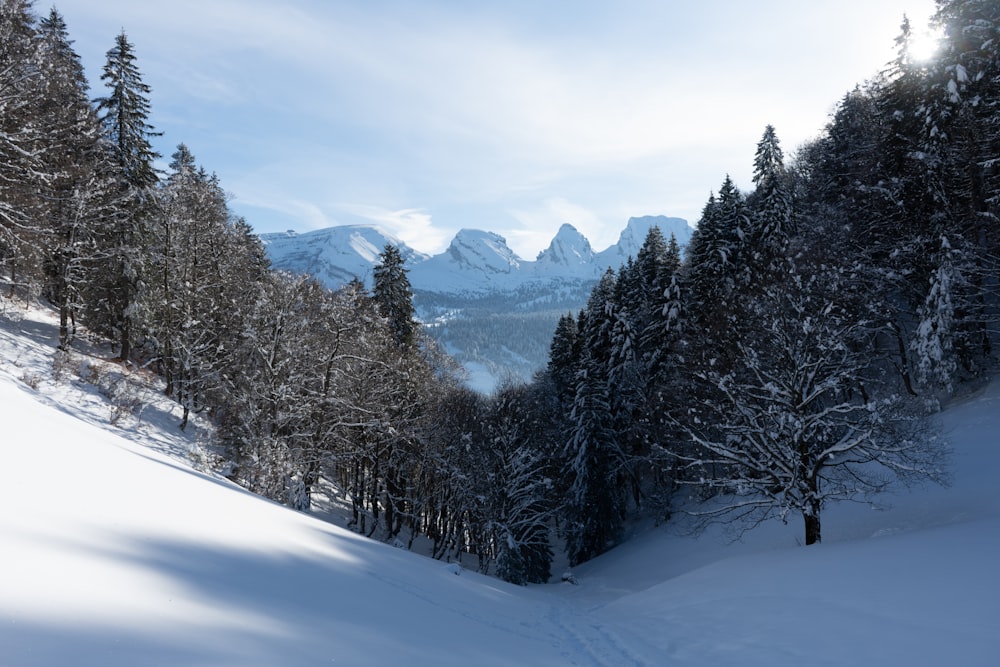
(961,122)
(714,271)
(593,506)
(564,355)
(771,218)
(659,339)
(933,343)
(713,251)
(77,192)
(20,132)
(124,115)
(596,464)
(394,296)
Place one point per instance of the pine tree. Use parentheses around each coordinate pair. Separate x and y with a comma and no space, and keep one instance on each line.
(394,296)
(20,133)
(714,251)
(961,121)
(596,464)
(77,193)
(659,338)
(124,115)
(564,356)
(771,220)
(594,509)
(714,271)
(934,340)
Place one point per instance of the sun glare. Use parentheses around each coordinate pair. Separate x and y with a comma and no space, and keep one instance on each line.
(923,46)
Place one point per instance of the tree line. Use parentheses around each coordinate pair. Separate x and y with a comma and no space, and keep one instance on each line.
(784,361)
(789,359)
(303,383)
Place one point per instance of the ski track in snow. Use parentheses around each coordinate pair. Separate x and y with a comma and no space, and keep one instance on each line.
(589,642)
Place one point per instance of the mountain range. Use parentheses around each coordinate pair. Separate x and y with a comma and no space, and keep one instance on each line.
(490,309)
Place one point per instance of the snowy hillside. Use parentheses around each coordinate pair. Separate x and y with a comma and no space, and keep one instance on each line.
(336,255)
(118,552)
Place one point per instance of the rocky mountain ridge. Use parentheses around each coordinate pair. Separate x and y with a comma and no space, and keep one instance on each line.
(489,308)
(476,262)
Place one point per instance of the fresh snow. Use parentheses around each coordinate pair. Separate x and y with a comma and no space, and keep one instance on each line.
(119,551)
(476,262)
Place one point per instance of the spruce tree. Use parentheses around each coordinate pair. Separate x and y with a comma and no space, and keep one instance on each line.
(394,296)
(21,173)
(124,115)
(771,217)
(596,466)
(77,193)
(564,357)
(714,272)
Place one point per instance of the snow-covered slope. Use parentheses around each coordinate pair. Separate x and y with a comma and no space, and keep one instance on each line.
(912,582)
(569,255)
(335,255)
(117,552)
(474,262)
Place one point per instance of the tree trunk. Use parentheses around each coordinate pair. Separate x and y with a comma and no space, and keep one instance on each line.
(904,362)
(64,337)
(812,528)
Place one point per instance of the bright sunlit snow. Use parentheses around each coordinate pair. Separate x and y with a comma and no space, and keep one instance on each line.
(118,552)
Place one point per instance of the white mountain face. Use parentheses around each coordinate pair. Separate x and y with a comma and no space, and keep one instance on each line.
(492,310)
(335,255)
(476,262)
(569,255)
(634,235)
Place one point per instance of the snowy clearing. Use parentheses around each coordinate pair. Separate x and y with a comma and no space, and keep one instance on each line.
(118,551)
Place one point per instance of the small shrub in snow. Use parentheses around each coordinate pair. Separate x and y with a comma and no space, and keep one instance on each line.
(32,380)
(61,363)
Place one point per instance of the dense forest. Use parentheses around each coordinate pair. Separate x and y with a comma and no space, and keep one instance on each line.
(786,361)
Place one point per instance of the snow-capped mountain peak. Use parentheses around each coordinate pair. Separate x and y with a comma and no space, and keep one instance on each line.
(568,249)
(634,235)
(483,251)
(508,306)
(335,255)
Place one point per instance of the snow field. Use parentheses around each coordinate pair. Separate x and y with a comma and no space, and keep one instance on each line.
(117,551)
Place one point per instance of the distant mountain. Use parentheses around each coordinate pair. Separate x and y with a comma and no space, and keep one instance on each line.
(569,255)
(335,255)
(634,235)
(492,310)
(474,263)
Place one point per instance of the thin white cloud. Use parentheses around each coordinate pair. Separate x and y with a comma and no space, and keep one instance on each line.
(439,115)
(414,226)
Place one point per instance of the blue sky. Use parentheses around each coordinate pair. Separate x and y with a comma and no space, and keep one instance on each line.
(514,117)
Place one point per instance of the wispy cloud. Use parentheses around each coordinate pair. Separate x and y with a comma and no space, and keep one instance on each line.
(436,115)
(414,226)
